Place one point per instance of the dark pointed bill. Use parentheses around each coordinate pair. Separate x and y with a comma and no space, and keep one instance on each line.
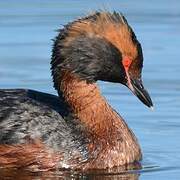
(138,90)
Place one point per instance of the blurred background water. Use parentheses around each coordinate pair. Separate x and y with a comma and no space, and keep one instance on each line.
(26,30)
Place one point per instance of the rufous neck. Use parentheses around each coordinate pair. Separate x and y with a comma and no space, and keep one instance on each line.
(89,106)
(109,135)
(79,94)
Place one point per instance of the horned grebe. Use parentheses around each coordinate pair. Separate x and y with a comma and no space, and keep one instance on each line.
(77,129)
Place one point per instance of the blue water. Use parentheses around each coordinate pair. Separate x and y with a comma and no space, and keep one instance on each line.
(26,30)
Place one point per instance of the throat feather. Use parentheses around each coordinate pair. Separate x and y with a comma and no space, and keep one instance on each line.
(110,139)
(91,108)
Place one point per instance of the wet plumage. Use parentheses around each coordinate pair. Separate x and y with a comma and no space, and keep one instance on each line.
(77,129)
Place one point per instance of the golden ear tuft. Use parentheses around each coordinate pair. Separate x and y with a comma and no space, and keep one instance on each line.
(110,26)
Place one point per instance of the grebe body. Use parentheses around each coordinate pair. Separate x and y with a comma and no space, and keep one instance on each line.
(77,129)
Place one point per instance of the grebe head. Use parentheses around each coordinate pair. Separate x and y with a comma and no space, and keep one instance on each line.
(101,46)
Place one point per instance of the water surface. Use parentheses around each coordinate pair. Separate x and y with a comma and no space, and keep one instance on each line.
(26,30)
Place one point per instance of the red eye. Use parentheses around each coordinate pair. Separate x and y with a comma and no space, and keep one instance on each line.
(126,62)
